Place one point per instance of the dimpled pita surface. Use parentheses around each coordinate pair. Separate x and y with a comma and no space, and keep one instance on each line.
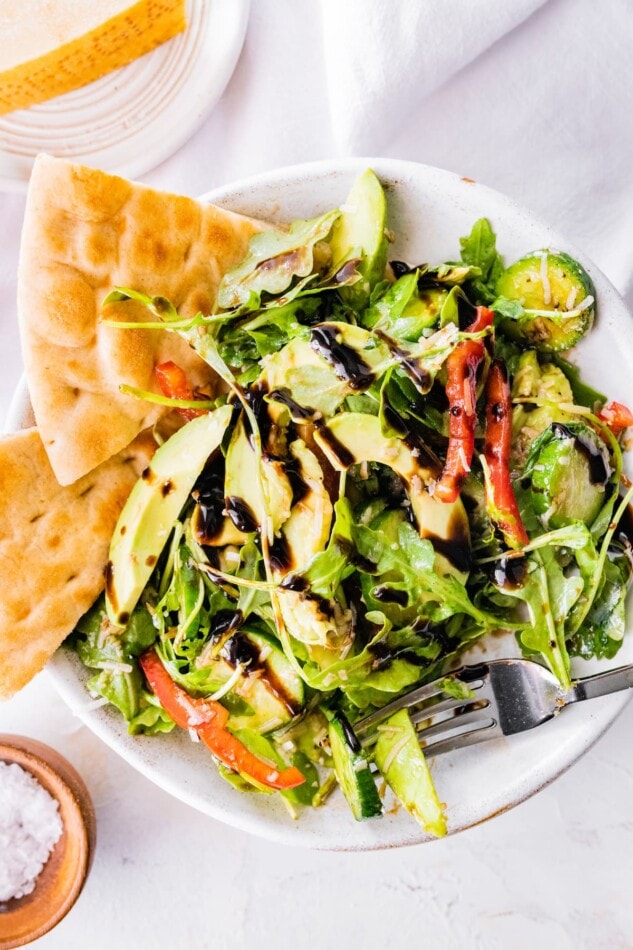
(86,232)
(54,544)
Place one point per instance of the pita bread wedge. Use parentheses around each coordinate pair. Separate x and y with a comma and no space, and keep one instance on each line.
(84,233)
(54,545)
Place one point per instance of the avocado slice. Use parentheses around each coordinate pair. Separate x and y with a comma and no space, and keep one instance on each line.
(319,373)
(353,437)
(269,698)
(360,232)
(304,535)
(245,500)
(153,506)
(307,530)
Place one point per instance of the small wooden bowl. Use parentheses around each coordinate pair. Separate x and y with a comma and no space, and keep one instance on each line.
(59,885)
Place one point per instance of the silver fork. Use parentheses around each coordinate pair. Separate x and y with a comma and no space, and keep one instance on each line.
(508,696)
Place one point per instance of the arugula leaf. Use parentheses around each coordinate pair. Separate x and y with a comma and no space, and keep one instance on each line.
(549,596)
(246,341)
(406,568)
(251,561)
(603,629)
(387,309)
(479,249)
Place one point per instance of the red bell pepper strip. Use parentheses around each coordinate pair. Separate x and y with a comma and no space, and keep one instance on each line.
(208,719)
(617,417)
(173,383)
(501,503)
(461,390)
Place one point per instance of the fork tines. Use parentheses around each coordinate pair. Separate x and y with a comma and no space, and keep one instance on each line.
(441,724)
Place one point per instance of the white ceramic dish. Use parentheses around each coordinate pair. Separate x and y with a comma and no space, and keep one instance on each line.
(428,209)
(134,118)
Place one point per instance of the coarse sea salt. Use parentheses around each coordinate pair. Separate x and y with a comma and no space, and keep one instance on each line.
(30,825)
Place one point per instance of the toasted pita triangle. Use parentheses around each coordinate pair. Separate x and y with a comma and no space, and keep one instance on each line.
(54,545)
(86,232)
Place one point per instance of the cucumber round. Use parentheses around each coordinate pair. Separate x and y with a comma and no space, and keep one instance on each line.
(547,280)
(352,771)
(570,468)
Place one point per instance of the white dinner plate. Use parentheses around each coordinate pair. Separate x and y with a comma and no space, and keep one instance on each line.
(134,118)
(428,210)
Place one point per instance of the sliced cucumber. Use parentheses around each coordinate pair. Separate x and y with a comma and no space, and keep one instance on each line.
(570,468)
(352,770)
(400,759)
(548,281)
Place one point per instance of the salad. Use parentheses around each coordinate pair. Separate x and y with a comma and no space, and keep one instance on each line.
(396,462)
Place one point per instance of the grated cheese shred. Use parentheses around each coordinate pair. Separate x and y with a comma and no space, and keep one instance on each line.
(547,290)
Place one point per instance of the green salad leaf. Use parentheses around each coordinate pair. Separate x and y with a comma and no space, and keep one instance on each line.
(274,258)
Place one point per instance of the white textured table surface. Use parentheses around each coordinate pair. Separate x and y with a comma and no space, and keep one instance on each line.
(544,115)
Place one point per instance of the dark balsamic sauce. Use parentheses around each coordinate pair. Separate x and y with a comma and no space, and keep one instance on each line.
(239,649)
(240,514)
(208,493)
(599,469)
(345,361)
(399,268)
(223,622)
(351,738)
(259,407)
(299,486)
(302,413)
(625,526)
(389,595)
(455,550)
(341,453)
(296,583)
(466,312)
(412,367)
(109,583)
(509,573)
(280,555)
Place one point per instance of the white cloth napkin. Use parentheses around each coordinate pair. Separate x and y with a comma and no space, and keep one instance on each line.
(382,58)
(530,97)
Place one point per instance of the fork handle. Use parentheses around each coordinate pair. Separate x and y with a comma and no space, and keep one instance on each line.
(601,684)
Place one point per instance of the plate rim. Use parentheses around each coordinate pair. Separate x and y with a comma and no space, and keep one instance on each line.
(58,668)
(234,16)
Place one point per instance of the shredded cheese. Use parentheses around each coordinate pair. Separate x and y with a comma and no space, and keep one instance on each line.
(547,290)
(395,752)
(114,666)
(569,303)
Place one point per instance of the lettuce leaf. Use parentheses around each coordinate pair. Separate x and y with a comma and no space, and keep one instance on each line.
(274,259)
